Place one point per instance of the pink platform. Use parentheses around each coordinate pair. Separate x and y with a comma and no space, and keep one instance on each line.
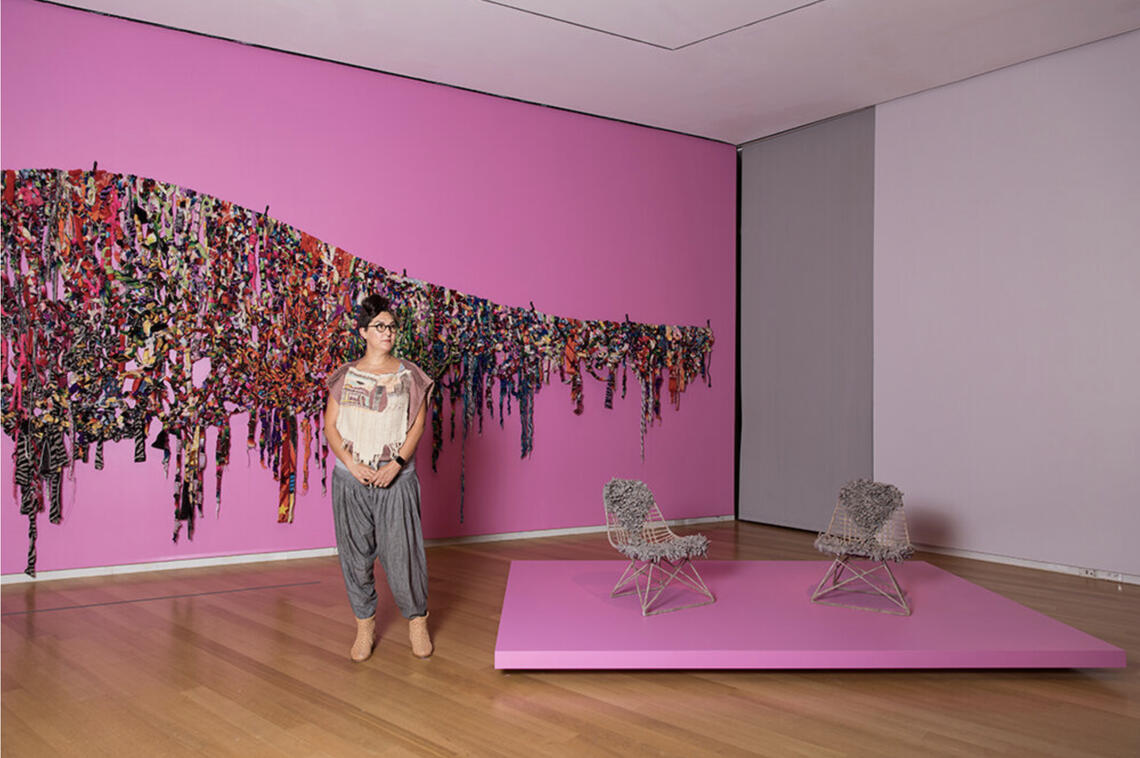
(559,615)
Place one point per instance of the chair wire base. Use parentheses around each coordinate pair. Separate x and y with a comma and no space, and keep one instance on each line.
(651,578)
(838,588)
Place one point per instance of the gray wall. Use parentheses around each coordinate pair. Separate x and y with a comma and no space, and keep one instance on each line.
(807,212)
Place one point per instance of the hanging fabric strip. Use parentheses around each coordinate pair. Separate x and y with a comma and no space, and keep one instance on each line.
(287,474)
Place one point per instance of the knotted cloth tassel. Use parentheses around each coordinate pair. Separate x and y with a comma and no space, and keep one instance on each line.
(287,473)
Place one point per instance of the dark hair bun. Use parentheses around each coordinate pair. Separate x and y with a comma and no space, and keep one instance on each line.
(369,308)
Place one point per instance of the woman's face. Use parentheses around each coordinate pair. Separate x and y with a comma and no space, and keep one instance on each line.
(380,334)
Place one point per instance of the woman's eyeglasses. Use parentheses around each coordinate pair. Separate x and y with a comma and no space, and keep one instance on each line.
(381,327)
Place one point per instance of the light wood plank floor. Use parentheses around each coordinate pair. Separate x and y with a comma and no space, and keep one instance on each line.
(252,660)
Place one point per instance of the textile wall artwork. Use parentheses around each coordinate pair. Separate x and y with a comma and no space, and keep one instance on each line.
(118,291)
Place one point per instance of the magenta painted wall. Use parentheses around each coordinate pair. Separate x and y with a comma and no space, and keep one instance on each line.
(585,217)
(1007,309)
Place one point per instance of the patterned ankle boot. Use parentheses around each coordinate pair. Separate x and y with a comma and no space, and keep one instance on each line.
(418,634)
(365,639)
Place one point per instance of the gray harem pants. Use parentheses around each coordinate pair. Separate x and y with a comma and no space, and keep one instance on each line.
(384,523)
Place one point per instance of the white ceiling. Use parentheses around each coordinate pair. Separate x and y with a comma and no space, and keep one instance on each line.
(731,70)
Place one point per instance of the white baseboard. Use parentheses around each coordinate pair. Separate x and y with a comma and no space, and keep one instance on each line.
(537,533)
(1060,568)
(228,560)
(135,568)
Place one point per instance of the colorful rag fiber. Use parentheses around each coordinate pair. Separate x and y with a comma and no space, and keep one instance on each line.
(118,290)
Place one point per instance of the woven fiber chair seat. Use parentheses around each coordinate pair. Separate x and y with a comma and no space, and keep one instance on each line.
(678,549)
(865,547)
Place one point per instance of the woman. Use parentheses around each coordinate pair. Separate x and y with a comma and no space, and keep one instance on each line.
(373,422)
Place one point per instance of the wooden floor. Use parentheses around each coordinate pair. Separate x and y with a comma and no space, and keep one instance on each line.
(252,660)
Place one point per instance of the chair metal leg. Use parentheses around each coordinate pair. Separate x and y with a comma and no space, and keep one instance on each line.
(630,574)
(650,579)
(823,595)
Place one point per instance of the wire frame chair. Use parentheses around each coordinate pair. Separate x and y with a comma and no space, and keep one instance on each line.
(658,558)
(867,523)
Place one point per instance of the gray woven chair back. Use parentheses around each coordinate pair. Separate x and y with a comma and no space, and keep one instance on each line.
(870,504)
(629,502)
(868,521)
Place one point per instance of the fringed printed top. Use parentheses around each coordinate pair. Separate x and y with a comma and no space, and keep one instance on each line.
(377,410)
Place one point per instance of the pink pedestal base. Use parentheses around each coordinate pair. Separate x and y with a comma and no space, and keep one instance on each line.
(559,615)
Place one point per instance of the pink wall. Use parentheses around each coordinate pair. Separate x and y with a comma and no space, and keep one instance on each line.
(1007,307)
(585,217)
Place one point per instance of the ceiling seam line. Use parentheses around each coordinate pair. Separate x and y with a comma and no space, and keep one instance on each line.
(609,33)
(580,26)
(750,23)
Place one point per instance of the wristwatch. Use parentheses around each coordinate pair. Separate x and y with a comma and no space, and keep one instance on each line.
(399,460)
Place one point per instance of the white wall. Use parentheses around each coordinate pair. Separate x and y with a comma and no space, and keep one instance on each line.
(1007,309)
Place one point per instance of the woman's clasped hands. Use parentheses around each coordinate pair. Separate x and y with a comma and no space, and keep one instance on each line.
(371,477)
